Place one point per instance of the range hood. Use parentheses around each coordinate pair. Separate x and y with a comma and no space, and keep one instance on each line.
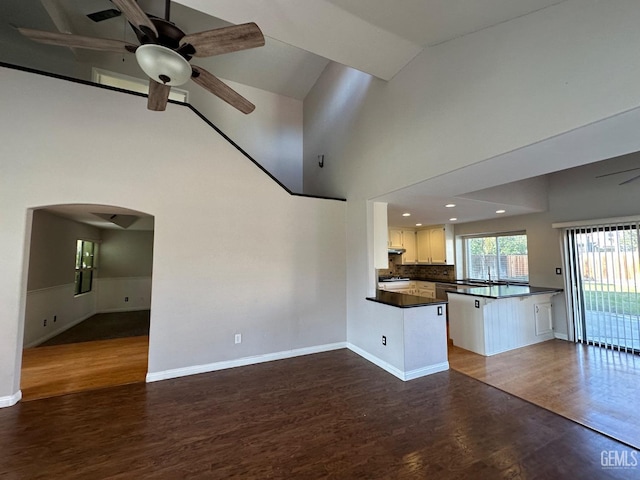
(396,251)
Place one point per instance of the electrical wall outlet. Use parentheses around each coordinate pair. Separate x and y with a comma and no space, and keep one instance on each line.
(44,322)
(384,339)
(238,338)
(126,299)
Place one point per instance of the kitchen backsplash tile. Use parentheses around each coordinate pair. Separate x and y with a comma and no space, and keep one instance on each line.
(435,272)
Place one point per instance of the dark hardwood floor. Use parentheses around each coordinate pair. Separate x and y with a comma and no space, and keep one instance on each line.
(329,415)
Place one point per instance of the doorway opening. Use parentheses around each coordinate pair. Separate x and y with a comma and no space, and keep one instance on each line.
(603,267)
(88,307)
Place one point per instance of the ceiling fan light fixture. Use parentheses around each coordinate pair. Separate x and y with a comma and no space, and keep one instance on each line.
(163,65)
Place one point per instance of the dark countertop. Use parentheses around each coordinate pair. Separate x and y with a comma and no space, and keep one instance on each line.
(402,300)
(505,291)
(423,279)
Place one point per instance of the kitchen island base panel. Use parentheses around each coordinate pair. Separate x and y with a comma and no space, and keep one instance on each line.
(415,337)
(491,326)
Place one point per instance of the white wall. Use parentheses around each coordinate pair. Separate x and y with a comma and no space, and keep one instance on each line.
(124,275)
(473,98)
(233,252)
(462,102)
(126,253)
(271,134)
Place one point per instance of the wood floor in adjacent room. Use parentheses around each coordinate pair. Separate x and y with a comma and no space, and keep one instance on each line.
(328,415)
(76,367)
(593,386)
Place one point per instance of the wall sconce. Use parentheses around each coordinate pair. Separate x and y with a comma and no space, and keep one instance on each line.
(321,161)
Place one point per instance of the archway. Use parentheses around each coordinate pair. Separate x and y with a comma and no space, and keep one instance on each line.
(88,299)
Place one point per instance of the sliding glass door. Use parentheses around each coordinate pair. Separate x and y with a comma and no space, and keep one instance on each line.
(603,269)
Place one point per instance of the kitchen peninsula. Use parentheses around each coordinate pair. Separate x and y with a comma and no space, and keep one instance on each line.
(492,319)
(408,334)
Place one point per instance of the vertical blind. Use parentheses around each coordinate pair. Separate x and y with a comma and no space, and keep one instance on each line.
(603,268)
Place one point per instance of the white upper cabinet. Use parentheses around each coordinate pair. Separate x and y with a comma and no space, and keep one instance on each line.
(404,238)
(395,238)
(438,243)
(409,244)
(435,245)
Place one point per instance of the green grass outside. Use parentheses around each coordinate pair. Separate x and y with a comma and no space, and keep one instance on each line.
(623,303)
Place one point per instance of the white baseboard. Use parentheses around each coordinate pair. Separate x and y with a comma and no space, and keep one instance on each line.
(10,400)
(377,361)
(561,336)
(422,372)
(404,376)
(121,310)
(241,362)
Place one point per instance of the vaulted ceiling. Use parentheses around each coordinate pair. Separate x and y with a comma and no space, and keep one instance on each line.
(378,37)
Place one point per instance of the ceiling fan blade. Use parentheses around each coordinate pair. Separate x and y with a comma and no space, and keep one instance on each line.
(619,171)
(225,40)
(136,16)
(79,41)
(214,85)
(158,96)
(631,179)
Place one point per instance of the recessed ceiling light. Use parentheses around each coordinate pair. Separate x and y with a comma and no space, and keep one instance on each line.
(406,214)
(453,219)
(450,205)
(500,211)
(418,224)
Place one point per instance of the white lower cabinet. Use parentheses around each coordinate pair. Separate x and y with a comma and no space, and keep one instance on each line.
(544,318)
(426,289)
(407,287)
(421,289)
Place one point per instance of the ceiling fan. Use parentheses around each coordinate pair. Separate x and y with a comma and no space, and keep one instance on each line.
(623,171)
(165,51)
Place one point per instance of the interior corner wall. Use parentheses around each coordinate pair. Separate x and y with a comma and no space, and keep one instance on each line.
(462,102)
(125,268)
(233,252)
(51,305)
(272,133)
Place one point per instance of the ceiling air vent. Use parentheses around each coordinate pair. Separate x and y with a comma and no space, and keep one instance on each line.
(124,221)
(104,15)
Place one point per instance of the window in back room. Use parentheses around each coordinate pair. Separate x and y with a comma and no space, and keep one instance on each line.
(85,254)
